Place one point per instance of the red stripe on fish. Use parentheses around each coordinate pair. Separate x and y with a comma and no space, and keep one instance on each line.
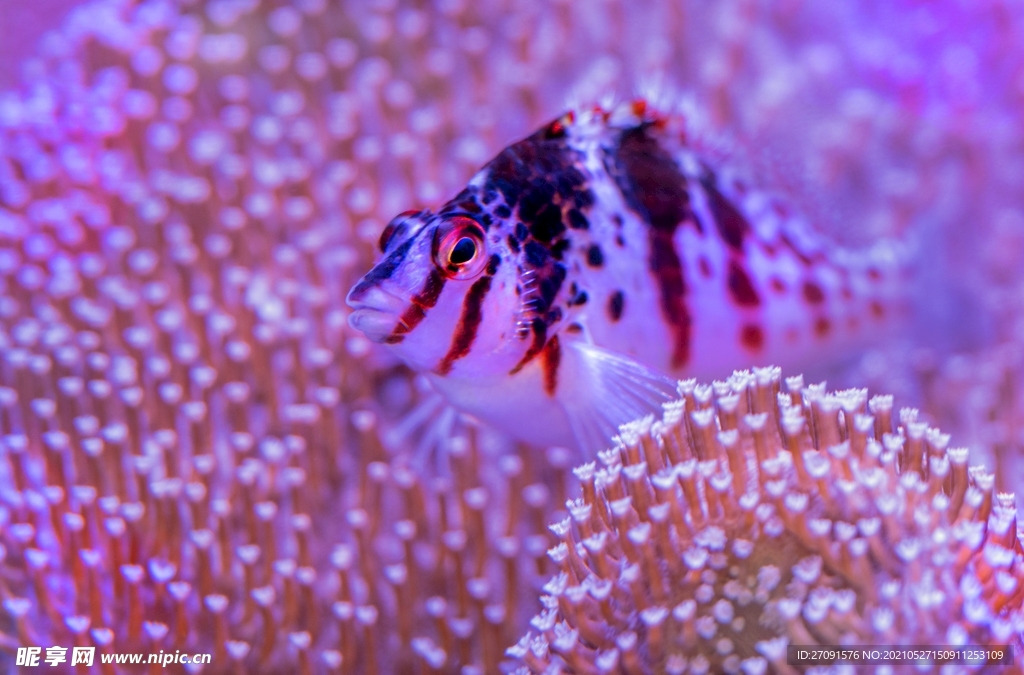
(550,359)
(733,228)
(469,323)
(655,189)
(741,287)
(417,311)
(540,336)
(730,223)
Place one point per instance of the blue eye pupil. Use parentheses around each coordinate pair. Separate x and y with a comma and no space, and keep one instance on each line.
(463,251)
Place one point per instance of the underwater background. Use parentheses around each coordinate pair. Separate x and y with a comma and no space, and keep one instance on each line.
(198,454)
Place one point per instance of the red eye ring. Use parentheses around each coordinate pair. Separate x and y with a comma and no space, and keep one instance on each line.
(460,250)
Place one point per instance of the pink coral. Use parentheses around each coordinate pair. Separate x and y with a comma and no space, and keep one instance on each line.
(749,519)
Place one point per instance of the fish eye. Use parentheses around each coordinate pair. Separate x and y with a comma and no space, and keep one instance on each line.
(459,248)
(463,251)
(393,228)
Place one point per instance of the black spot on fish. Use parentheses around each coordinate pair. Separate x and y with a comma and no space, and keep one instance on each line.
(493,264)
(595,258)
(583,199)
(550,284)
(543,177)
(521,232)
(568,182)
(616,303)
(578,298)
(503,212)
(546,224)
(536,255)
(503,178)
(513,243)
(560,247)
(535,200)
(535,164)
(577,220)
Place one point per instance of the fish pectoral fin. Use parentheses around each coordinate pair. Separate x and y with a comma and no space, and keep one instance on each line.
(605,390)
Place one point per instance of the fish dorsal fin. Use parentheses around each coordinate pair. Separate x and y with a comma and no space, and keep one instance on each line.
(606,390)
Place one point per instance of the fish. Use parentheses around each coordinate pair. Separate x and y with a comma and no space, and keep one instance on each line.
(586,268)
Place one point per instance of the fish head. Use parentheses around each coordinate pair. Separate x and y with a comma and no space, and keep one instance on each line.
(444,295)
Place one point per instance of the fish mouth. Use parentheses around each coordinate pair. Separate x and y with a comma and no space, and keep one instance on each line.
(376,312)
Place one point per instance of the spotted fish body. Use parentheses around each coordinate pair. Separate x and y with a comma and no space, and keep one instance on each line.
(586,263)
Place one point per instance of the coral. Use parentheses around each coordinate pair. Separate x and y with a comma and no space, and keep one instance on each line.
(194,448)
(750,518)
(978,395)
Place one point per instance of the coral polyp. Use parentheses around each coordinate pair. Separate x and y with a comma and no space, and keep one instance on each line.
(194,455)
(760,513)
